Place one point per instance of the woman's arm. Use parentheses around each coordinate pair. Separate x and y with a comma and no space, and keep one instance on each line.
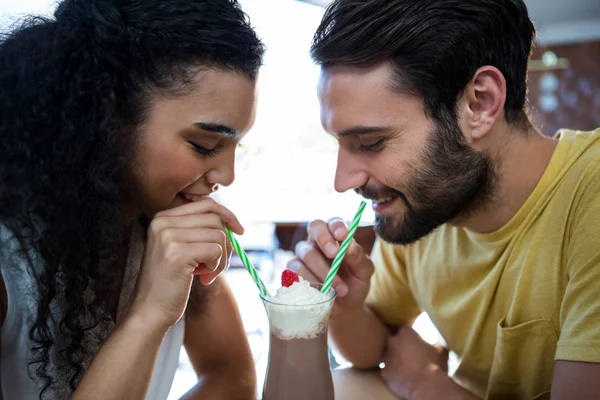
(123,367)
(181,243)
(218,348)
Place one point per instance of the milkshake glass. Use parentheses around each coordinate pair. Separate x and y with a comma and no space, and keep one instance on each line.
(298,367)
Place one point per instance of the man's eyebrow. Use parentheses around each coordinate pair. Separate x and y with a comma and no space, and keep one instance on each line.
(361,130)
(217,128)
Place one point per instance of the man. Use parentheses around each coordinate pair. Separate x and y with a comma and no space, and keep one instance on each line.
(484,223)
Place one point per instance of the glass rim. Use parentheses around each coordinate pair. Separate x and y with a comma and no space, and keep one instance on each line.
(331,295)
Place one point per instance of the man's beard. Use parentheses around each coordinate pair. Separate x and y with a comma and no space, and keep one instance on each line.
(451,181)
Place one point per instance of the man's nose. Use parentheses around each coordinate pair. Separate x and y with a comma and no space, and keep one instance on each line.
(349,173)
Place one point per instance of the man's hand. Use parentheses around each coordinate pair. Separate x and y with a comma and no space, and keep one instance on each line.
(410,361)
(314,257)
(359,334)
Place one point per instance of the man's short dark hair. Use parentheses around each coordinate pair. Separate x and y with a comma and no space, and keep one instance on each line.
(434,46)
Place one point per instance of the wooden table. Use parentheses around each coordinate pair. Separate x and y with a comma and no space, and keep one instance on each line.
(352,384)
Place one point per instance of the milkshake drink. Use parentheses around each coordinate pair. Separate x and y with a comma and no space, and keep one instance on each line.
(298,366)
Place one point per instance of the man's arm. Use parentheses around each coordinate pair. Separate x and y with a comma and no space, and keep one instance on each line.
(360,336)
(441,386)
(577,367)
(218,349)
(575,380)
(416,370)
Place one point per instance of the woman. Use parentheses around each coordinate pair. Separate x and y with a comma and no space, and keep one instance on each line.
(118,119)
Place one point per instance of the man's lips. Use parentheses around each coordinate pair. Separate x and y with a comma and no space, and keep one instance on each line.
(381,205)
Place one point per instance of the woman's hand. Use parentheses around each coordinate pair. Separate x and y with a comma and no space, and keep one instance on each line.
(182,242)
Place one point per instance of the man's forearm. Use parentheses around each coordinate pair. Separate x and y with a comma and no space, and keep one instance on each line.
(440,386)
(360,336)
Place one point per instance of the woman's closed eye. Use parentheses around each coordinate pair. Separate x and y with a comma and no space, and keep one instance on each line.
(204,151)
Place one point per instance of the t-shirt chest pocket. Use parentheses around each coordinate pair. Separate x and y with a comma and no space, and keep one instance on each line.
(523,361)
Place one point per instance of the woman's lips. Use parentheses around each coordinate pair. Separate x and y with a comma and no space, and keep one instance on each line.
(183,199)
(189,198)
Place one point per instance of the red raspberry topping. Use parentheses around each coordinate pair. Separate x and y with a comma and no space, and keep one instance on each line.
(288,278)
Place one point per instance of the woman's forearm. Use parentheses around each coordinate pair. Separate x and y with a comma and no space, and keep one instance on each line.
(225,385)
(123,367)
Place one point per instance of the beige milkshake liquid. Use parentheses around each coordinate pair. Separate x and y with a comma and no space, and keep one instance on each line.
(298,370)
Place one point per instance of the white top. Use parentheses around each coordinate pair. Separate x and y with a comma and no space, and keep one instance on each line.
(15,344)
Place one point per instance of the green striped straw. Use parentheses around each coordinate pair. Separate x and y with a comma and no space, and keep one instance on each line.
(246,261)
(337,261)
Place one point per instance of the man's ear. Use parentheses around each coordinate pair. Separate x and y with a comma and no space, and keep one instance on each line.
(482,103)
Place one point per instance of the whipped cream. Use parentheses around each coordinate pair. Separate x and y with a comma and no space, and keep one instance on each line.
(299,311)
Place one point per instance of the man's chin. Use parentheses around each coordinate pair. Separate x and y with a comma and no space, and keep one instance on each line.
(390,229)
(401,230)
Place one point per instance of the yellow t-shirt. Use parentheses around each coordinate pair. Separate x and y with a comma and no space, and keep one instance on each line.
(512,301)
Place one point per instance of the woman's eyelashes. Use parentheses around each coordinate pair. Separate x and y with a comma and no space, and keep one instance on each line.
(204,151)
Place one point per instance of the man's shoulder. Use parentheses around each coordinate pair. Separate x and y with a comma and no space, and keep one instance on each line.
(587,172)
(580,173)
(584,146)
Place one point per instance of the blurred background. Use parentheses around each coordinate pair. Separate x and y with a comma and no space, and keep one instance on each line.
(286,167)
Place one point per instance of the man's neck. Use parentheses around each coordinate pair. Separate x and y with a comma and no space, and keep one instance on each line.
(521,159)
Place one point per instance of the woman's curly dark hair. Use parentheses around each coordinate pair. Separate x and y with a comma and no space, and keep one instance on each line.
(73,89)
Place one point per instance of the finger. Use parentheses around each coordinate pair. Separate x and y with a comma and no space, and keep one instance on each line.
(294,265)
(208,279)
(318,231)
(198,258)
(222,265)
(199,268)
(313,259)
(196,236)
(197,221)
(204,257)
(358,263)
(319,266)
(228,249)
(193,235)
(207,220)
(338,229)
(216,266)
(298,267)
(444,355)
(203,206)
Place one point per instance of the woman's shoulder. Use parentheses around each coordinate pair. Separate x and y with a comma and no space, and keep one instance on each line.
(14,263)
(5,248)
(7,238)
(16,277)
(3,301)
(11,250)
